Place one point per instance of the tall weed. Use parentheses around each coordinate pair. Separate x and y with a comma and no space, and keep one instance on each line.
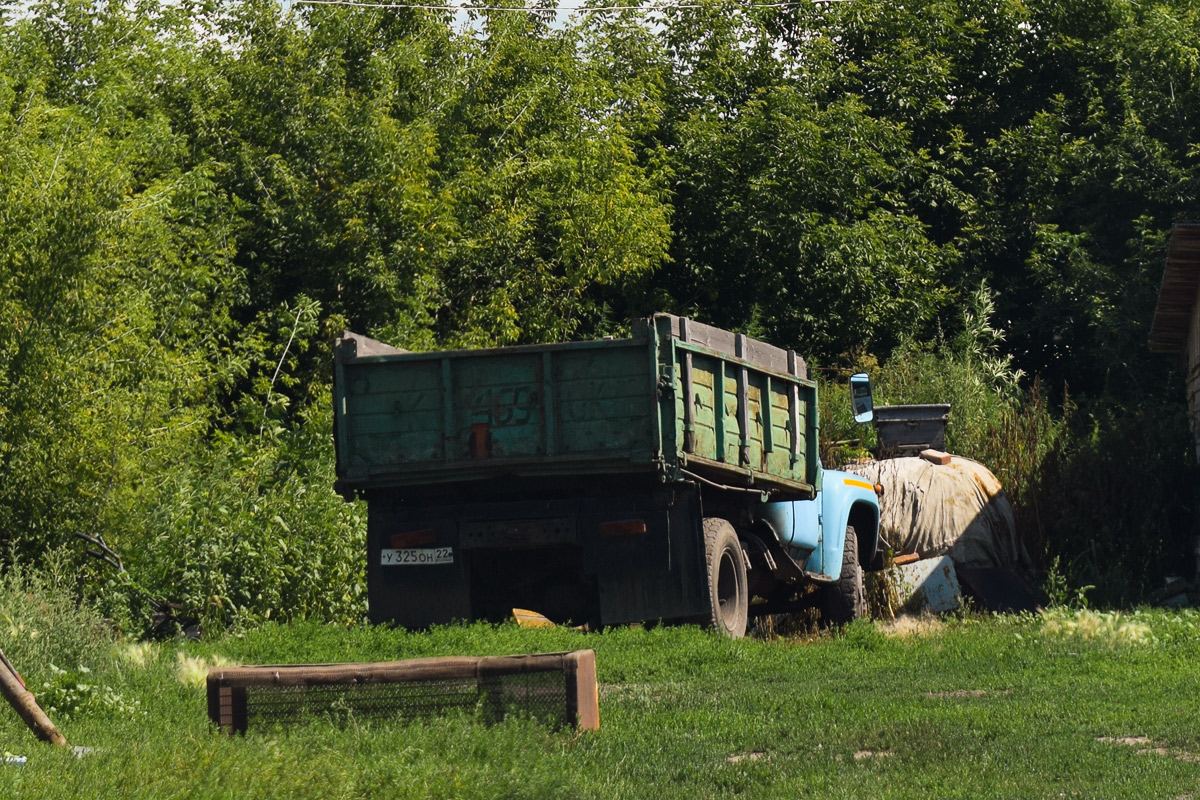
(44,625)
(1107,492)
(254,531)
(993,419)
(1115,499)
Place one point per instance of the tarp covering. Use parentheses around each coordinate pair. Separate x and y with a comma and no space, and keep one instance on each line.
(959,509)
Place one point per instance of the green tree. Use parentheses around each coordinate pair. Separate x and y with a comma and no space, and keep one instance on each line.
(554,208)
(114,275)
(792,214)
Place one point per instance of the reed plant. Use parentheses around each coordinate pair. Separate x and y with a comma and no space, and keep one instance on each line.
(1103,488)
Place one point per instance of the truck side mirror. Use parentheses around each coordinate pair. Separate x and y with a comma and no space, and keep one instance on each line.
(860,397)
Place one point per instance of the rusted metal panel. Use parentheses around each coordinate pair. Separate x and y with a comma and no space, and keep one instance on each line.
(928,585)
(414,597)
(560,557)
(658,574)
(907,430)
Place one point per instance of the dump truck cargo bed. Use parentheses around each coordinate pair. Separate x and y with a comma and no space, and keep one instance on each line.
(678,399)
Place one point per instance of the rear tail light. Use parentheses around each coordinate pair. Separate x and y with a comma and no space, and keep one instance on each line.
(625,527)
(413,538)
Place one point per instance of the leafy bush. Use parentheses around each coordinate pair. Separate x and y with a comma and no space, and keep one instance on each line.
(254,531)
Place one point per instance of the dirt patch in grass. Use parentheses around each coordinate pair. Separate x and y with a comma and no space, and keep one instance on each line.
(1147,747)
(1128,741)
(903,627)
(754,755)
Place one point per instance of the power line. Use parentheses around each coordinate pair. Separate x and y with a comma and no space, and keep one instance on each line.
(585,9)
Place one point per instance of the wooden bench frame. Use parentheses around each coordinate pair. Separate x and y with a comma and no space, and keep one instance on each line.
(229,687)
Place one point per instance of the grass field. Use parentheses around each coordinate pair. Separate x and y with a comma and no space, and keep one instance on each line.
(1066,704)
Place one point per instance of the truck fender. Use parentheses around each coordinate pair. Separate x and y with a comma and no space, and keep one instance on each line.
(845,500)
(766,540)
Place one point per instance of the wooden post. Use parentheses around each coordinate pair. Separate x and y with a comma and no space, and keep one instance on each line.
(24,704)
(583,695)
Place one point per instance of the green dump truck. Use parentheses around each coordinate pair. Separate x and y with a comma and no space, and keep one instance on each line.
(669,476)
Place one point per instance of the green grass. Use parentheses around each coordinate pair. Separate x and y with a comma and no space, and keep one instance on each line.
(974,708)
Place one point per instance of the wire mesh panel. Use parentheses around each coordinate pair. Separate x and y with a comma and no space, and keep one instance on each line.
(556,688)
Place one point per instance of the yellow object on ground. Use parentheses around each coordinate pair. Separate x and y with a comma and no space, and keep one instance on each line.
(530,619)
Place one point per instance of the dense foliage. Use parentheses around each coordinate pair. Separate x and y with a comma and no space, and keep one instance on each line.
(196,196)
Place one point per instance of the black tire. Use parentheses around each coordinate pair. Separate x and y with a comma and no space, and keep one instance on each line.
(728,590)
(846,599)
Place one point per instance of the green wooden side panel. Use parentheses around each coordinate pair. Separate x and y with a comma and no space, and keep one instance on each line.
(470,412)
(729,404)
(779,459)
(604,402)
(715,401)
(579,408)
(394,413)
(503,393)
(718,426)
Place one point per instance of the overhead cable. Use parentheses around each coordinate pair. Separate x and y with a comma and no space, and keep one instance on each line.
(522,10)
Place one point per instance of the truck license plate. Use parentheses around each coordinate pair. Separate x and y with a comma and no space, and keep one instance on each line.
(417,556)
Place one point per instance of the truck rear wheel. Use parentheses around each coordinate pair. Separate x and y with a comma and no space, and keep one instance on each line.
(728,591)
(846,599)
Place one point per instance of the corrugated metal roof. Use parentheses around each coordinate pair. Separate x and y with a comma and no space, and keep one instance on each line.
(1177,294)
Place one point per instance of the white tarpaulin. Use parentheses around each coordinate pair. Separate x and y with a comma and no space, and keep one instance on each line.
(958,509)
